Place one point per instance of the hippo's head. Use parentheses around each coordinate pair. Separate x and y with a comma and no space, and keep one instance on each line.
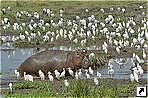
(83,58)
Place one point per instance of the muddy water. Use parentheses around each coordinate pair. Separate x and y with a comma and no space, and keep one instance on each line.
(11,59)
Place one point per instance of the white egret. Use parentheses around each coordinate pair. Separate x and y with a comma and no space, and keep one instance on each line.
(132,77)
(63,73)
(80,73)
(118,50)
(76,75)
(28,77)
(66,83)
(111,71)
(96,81)
(17,73)
(57,74)
(50,76)
(70,72)
(98,74)
(10,86)
(91,71)
(41,74)
(87,75)
(140,70)
(144,54)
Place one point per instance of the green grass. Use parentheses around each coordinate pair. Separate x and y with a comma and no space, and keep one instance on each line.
(77,88)
(38,89)
(72,8)
(31,85)
(31,95)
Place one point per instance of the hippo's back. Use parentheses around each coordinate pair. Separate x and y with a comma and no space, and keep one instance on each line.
(37,61)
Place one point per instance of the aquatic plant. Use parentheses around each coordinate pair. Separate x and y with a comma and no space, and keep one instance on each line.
(79,88)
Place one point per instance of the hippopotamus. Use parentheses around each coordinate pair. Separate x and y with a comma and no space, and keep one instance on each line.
(54,60)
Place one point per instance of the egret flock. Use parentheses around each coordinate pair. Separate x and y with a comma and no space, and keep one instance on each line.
(117,31)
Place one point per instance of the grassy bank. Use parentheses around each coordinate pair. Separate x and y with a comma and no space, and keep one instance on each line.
(77,88)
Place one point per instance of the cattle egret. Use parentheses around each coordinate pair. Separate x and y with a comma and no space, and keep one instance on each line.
(28,77)
(140,7)
(57,74)
(118,50)
(80,73)
(76,75)
(140,70)
(41,74)
(110,71)
(86,10)
(66,83)
(143,54)
(50,76)
(70,71)
(98,74)
(17,74)
(138,58)
(10,86)
(87,75)
(109,64)
(96,81)
(63,73)
(132,77)
(90,71)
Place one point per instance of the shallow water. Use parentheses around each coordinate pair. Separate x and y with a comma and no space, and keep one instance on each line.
(12,59)
(122,72)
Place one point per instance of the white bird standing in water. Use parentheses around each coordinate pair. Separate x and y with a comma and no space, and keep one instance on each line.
(134,75)
(109,64)
(10,86)
(140,70)
(17,73)
(90,71)
(110,71)
(87,75)
(98,74)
